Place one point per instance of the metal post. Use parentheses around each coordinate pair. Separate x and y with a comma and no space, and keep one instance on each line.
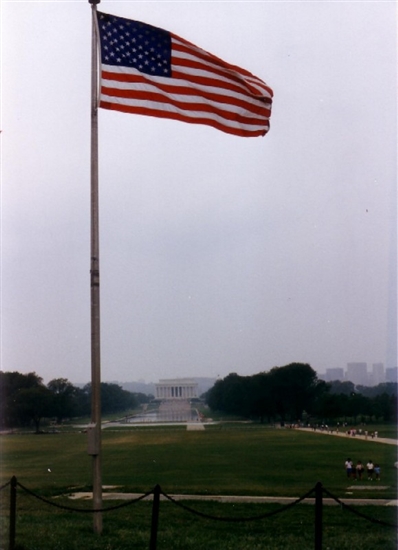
(13,511)
(95,443)
(318,515)
(155,517)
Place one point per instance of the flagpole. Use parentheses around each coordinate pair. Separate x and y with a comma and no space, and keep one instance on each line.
(94,432)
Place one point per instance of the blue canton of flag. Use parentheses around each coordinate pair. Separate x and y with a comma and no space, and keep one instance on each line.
(134,44)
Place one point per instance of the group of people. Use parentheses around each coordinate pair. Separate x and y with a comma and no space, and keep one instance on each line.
(354,432)
(356,472)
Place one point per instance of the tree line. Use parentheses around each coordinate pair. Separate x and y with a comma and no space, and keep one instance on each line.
(26,400)
(294,393)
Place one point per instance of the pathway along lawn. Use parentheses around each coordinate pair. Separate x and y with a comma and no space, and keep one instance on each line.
(361,437)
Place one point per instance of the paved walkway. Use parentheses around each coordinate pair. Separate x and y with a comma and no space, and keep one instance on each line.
(241,499)
(344,434)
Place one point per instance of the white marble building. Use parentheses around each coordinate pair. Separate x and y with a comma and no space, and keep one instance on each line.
(176,388)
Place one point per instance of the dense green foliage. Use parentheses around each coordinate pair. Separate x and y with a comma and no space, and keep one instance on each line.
(24,399)
(286,393)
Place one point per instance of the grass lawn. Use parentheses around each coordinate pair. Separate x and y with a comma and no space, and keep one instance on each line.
(41,527)
(234,459)
(240,459)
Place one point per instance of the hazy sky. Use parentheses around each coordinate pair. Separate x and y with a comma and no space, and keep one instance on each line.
(218,254)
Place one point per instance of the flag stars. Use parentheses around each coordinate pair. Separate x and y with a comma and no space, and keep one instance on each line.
(135,45)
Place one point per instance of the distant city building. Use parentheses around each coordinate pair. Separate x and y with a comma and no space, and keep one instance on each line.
(392,374)
(378,374)
(334,374)
(357,373)
(176,388)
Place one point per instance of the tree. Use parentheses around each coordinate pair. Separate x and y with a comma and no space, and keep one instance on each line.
(357,405)
(64,398)
(385,406)
(262,399)
(231,395)
(142,398)
(25,399)
(236,395)
(328,407)
(34,404)
(345,388)
(389,388)
(284,391)
(113,398)
(11,384)
(214,396)
(295,388)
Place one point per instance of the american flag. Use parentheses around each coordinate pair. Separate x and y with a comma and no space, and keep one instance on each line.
(149,71)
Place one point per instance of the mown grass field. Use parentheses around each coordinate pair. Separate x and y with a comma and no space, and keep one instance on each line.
(231,459)
(241,459)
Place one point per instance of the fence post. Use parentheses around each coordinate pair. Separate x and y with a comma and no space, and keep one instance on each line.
(318,515)
(13,511)
(155,517)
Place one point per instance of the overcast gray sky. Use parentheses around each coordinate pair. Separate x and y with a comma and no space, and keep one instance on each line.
(218,254)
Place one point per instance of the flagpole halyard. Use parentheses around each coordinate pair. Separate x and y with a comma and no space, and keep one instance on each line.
(94,432)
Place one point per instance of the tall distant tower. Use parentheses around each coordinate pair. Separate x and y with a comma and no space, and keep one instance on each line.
(378,374)
(392,374)
(392,324)
(357,373)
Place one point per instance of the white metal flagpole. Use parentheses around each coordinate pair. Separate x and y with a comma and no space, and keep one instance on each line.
(94,431)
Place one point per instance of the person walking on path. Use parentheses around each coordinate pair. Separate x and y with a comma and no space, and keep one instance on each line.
(348,467)
(377,472)
(359,469)
(370,469)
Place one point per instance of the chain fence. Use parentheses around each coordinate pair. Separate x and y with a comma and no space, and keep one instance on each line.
(318,491)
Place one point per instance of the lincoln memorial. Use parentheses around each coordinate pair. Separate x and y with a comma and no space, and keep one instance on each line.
(176,388)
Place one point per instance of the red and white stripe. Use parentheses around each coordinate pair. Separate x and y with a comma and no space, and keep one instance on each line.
(203,89)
